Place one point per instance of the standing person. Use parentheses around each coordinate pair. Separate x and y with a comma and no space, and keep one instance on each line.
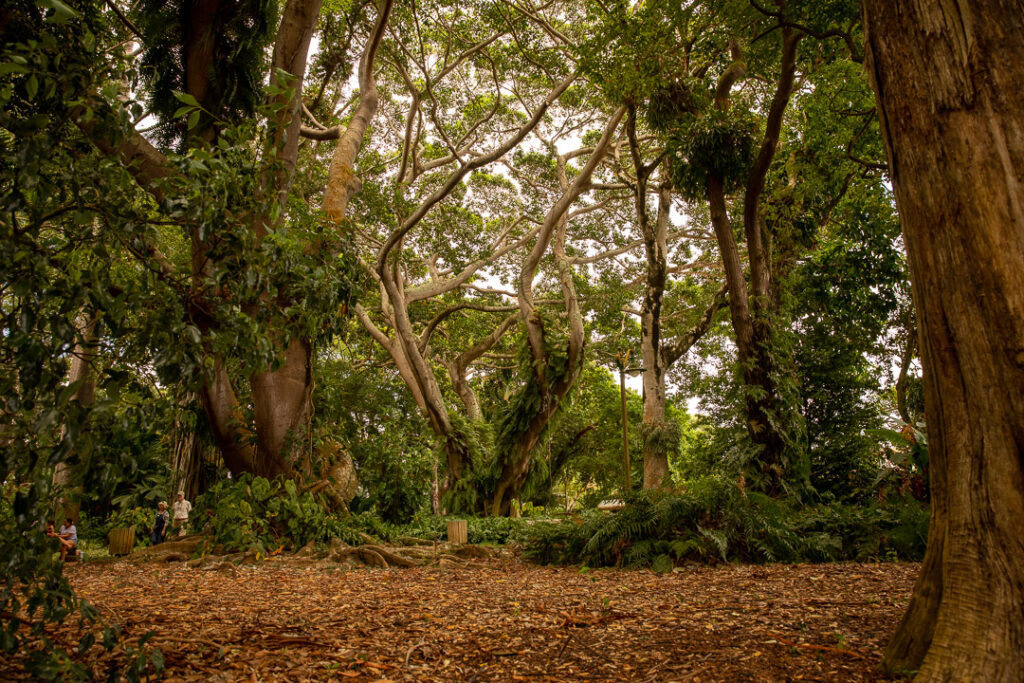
(181,508)
(160,524)
(68,536)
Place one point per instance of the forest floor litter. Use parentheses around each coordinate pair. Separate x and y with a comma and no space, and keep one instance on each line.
(500,619)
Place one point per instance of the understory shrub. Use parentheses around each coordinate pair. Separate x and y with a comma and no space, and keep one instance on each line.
(493,530)
(95,530)
(714,520)
(253,513)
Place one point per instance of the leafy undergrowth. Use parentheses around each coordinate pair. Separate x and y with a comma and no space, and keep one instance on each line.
(714,520)
(501,620)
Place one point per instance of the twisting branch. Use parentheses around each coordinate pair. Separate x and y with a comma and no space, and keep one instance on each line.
(554,217)
(125,20)
(671,352)
(759,274)
(432,289)
(456,177)
(342,183)
(428,331)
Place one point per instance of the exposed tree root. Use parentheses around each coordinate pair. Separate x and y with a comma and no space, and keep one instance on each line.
(197,552)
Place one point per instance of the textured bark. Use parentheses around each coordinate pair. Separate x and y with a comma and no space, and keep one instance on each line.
(947,78)
(191,458)
(655,238)
(282,405)
(656,472)
(458,367)
(424,387)
(908,355)
(230,431)
(279,442)
(341,181)
(517,462)
(186,461)
(82,357)
(750,306)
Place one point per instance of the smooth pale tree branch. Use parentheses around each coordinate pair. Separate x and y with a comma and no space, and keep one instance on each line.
(456,177)
(342,183)
(487,343)
(372,328)
(320,134)
(411,138)
(436,288)
(590,208)
(671,352)
(555,219)
(490,290)
(594,258)
(291,49)
(428,331)
(542,22)
(733,73)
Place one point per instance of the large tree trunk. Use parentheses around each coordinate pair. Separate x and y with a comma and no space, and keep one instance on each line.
(657,352)
(751,307)
(191,458)
(279,442)
(948,82)
(553,390)
(69,504)
(753,342)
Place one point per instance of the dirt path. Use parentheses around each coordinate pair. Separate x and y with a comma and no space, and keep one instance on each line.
(503,620)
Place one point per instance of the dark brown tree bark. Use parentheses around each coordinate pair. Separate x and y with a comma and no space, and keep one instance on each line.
(948,84)
(190,455)
(277,441)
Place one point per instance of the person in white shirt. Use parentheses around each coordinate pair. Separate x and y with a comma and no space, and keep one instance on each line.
(68,537)
(180,509)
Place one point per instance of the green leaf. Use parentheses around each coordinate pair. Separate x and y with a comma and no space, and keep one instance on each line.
(662,564)
(11,68)
(185,98)
(61,12)
(87,641)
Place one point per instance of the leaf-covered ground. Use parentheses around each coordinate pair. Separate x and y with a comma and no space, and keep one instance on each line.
(502,620)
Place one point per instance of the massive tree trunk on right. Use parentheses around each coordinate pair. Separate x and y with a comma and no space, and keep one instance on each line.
(948,82)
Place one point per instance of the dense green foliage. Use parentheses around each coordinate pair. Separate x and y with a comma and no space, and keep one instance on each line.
(714,520)
(207,270)
(251,513)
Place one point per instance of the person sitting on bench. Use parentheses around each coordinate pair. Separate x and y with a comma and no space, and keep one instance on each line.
(68,537)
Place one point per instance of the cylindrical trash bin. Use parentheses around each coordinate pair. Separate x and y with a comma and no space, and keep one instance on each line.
(121,540)
(458,532)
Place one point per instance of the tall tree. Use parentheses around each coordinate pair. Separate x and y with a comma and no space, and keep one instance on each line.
(659,348)
(947,79)
(253,255)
